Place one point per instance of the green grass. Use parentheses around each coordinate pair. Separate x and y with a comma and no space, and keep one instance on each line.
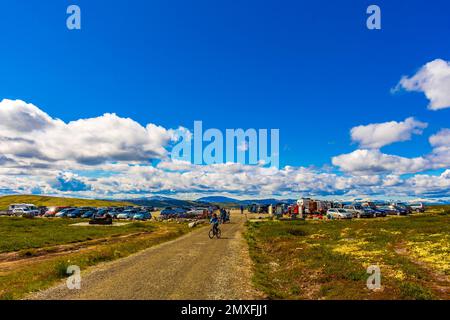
(329,259)
(20,234)
(27,275)
(47,201)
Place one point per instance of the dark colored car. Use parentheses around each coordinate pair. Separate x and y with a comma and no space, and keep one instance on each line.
(103,219)
(89,213)
(63,213)
(400,210)
(403,207)
(42,210)
(377,212)
(77,213)
(168,211)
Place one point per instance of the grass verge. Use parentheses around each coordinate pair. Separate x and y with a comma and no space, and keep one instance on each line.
(329,259)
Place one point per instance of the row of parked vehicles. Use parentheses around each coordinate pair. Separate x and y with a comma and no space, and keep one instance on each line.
(311,207)
(360,209)
(187,212)
(130,213)
(124,213)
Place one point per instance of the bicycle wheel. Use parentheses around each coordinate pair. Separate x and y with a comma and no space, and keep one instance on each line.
(218,234)
(211,234)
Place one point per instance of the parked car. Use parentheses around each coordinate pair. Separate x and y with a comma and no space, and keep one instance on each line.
(377,212)
(399,210)
(89,213)
(24,212)
(417,207)
(127,214)
(168,211)
(77,213)
(22,205)
(388,210)
(115,211)
(23,209)
(52,211)
(403,207)
(63,213)
(142,215)
(337,213)
(359,211)
(42,210)
(197,213)
(148,208)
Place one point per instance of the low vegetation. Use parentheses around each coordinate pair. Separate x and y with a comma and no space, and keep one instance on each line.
(19,234)
(329,259)
(34,254)
(47,201)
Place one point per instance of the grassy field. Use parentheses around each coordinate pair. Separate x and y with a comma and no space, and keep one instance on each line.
(329,259)
(19,234)
(35,253)
(5,201)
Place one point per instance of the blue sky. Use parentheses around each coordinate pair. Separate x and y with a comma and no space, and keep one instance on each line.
(311,69)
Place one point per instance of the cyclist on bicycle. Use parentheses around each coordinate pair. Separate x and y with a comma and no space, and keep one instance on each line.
(215,222)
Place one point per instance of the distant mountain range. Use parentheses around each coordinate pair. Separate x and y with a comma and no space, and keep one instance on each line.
(160,201)
(218,199)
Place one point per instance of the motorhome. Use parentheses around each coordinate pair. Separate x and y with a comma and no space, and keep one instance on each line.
(22,205)
(305,204)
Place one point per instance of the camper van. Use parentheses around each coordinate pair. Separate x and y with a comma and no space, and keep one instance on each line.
(20,208)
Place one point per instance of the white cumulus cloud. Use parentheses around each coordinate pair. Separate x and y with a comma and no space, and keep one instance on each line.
(433,79)
(28,132)
(378,135)
(372,161)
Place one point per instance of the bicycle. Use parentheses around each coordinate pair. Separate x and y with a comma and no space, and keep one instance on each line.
(215,232)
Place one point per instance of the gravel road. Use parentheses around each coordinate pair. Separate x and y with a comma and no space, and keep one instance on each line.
(190,267)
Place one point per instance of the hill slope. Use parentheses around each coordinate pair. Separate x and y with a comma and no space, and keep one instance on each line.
(47,201)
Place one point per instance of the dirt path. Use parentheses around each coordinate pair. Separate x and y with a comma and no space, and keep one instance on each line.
(190,267)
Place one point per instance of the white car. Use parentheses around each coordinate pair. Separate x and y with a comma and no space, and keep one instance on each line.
(417,207)
(25,211)
(338,213)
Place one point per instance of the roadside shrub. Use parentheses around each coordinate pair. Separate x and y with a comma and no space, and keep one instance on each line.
(27,253)
(296,232)
(7,296)
(295,290)
(61,269)
(413,291)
